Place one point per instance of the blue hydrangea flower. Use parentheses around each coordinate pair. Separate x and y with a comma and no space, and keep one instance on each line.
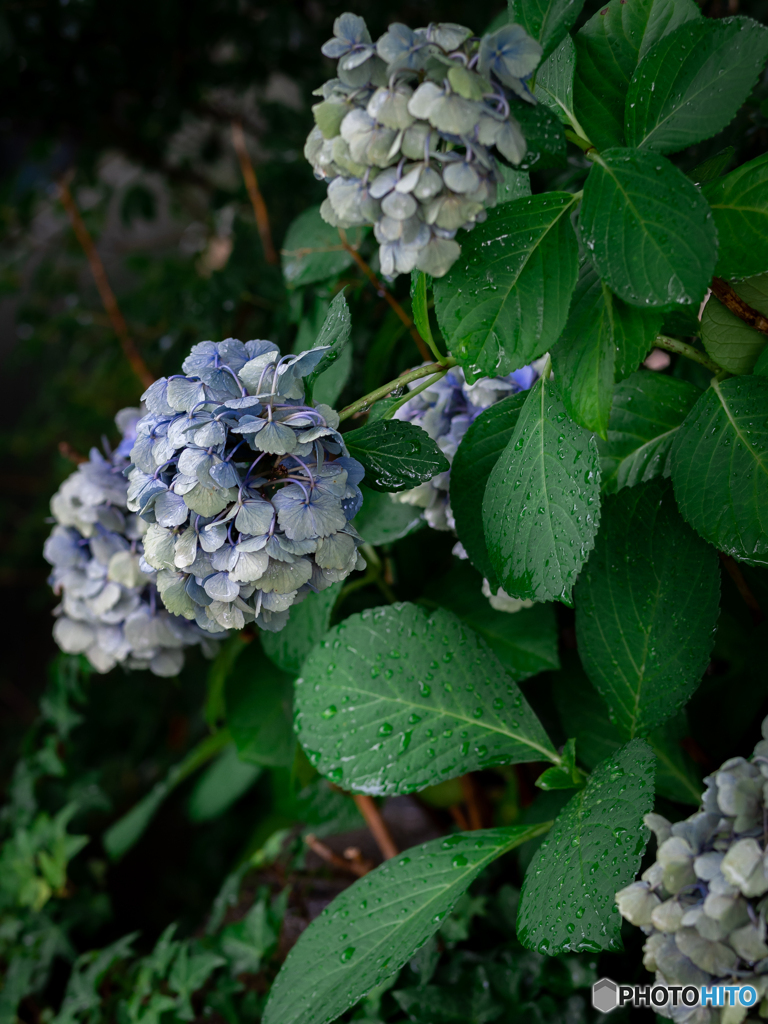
(247,488)
(110,609)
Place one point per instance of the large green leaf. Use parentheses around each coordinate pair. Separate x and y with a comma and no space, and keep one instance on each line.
(648,229)
(594,848)
(383,521)
(647,410)
(478,453)
(545,20)
(378,923)
(720,468)
(544,136)
(554,81)
(739,203)
(646,607)
(312,250)
(258,699)
(692,82)
(542,501)
(525,642)
(731,342)
(609,48)
(396,455)
(307,623)
(505,300)
(393,700)
(583,715)
(604,340)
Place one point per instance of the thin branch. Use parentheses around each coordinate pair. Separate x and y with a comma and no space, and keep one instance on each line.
(459,817)
(364,403)
(257,200)
(737,576)
(684,349)
(72,454)
(738,306)
(108,299)
(385,294)
(469,791)
(355,865)
(376,824)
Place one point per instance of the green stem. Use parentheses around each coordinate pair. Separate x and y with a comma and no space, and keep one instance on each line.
(368,400)
(683,349)
(374,575)
(410,394)
(579,137)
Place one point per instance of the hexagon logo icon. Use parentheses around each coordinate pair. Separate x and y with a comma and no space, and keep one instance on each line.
(605,995)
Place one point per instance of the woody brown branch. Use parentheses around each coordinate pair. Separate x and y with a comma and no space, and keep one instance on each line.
(356,865)
(733,302)
(386,295)
(106,294)
(376,824)
(254,194)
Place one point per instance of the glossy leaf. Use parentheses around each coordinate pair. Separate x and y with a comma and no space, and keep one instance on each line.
(393,700)
(542,502)
(731,342)
(258,699)
(307,623)
(378,923)
(691,83)
(525,641)
(583,714)
(609,48)
(479,451)
(554,81)
(647,604)
(547,21)
(383,521)
(312,250)
(335,333)
(648,229)
(544,136)
(396,455)
(604,340)
(594,848)
(505,301)
(720,468)
(419,304)
(739,203)
(647,411)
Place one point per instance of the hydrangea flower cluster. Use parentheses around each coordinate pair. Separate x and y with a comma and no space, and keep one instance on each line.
(248,488)
(409,131)
(110,610)
(703,903)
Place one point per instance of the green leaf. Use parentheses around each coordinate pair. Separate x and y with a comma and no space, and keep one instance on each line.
(505,301)
(604,339)
(547,21)
(542,502)
(396,455)
(221,785)
(711,168)
(691,83)
(544,136)
(731,342)
(525,642)
(609,48)
(312,250)
(514,185)
(739,203)
(477,454)
(377,924)
(648,229)
(583,713)
(258,698)
(594,848)
(420,282)
(565,775)
(554,81)
(761,366)
(383,521)
(647,411)
(335,332)
(394,700)
(307,623)
(647,604)
(720,468)
(126,831)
